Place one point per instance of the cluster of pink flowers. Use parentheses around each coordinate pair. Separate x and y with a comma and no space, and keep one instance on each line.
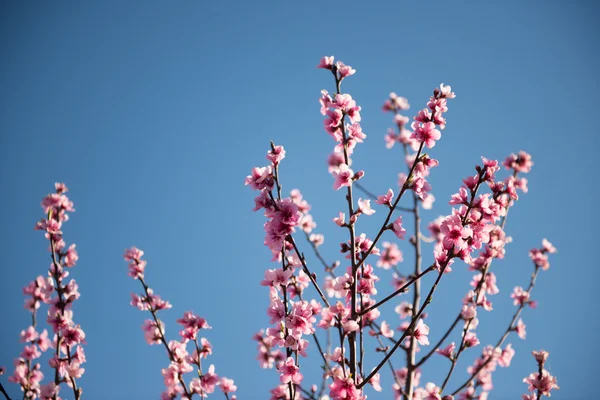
(485,365)
(541,383)
(60,294)
(476,224)
(181,360)
(346,136)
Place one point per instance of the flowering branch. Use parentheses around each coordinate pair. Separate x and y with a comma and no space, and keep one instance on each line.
(540,260)
(180,360)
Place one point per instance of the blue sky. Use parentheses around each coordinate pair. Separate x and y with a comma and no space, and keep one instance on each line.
(153,114)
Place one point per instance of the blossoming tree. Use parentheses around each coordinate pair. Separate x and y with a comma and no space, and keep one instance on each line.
(344,302)
(473,233)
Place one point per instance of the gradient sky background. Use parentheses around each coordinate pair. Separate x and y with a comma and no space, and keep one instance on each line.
(153,114)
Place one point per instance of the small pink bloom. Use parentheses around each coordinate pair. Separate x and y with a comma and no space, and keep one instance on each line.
(420,332)
(399,231)
(343,177)
(289,372)
(506,356)
(520,329)
(386,198)
(540,356)
(326,62)
(227,385)
(276,155)
(344,70)
(543,384)
(364,206)
(447,351)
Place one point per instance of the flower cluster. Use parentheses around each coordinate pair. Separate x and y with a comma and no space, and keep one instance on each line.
(346,136)
(181,360)
(473,232)
(541,383)
(60,294)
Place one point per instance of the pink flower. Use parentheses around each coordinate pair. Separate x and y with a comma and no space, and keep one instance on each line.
(29,335)
(506,356)
(276,155)
(446,91)
(540,356)
(420,332)
(426,133)
(386,198)
(343,177)
(544,383)
(404,309)
(431,392)
(399,231)
(344,70)
(386,331)
(454,233)
(326,62)
(227,385)
(520,296)
(289,372)
(71,256)
(152,332)
(344,389)
(548,247)
(364,206)
(390,256)
(260,178)
(520,163)
(48,391)
(447,351)
(340,219)
(471,339)
(209,380)
(520,329)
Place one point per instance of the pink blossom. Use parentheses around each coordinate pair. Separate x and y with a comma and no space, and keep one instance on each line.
(276,154)
(420,332)
(289,372)
(335,160)
(48,391)
(260,178)
(447,351)
(344,70)
(364,206)
(326,62)
(540,356)
(520,163)
(520,329)
(426,133)
(152,331)
(390,256)
(506,356)
(543,384)
(471,339)
(343,177)
(340,219)
(71,256)
(520,296)
(386,331)
(386,199)
(548,247)
(227,385)
(397,228)
(454,233)
(430,392)
(344,389)
(404,309)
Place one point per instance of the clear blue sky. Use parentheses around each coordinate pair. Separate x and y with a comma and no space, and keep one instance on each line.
(153,114)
